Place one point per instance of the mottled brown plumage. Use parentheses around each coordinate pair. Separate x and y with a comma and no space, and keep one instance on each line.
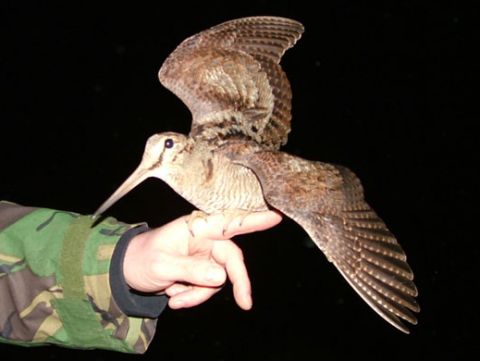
(230,78)
(328,202)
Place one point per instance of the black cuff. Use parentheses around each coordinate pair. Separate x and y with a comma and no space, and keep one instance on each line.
(131,302)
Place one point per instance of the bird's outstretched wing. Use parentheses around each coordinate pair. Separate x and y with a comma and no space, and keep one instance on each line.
(230,78)
(328,202)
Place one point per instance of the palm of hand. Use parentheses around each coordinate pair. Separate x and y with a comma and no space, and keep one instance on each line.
(192,266)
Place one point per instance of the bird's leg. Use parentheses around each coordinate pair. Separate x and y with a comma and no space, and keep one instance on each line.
(196,214)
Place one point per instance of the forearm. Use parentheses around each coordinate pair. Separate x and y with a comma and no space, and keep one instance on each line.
(56,285)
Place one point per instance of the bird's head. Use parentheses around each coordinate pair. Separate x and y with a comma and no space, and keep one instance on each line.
(163,156)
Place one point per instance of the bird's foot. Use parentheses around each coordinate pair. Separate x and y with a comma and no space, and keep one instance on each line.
(196,214)
(234,215)
(231,216)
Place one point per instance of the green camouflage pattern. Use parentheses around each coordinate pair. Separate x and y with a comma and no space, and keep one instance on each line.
(54,282)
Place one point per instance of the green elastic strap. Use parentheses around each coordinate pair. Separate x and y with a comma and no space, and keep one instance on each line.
(71,267)
(78,317)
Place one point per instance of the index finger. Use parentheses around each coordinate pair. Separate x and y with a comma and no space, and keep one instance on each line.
(253,222)
(218,226)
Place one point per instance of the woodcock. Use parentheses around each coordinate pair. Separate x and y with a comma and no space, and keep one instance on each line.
(240,99)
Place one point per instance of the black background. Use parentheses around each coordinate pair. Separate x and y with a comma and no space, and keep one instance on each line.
(381,87)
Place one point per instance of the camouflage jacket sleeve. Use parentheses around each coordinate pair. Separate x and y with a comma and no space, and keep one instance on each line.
(61,282)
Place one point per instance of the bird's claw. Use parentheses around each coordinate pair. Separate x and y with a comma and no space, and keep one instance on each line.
(232,215)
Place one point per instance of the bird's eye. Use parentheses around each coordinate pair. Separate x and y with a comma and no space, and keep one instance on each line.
(168,143)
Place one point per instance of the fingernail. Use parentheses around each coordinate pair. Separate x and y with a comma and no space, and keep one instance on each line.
(215,274)
(178,303)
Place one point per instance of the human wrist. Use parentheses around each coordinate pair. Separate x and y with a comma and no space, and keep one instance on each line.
(128,299)
(130,266)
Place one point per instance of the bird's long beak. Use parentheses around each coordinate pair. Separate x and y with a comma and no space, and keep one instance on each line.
(137,177)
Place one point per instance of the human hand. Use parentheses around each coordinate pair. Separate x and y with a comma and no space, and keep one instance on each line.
(190,267)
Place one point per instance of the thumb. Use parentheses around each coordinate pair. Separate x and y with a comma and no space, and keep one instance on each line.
(188,269)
